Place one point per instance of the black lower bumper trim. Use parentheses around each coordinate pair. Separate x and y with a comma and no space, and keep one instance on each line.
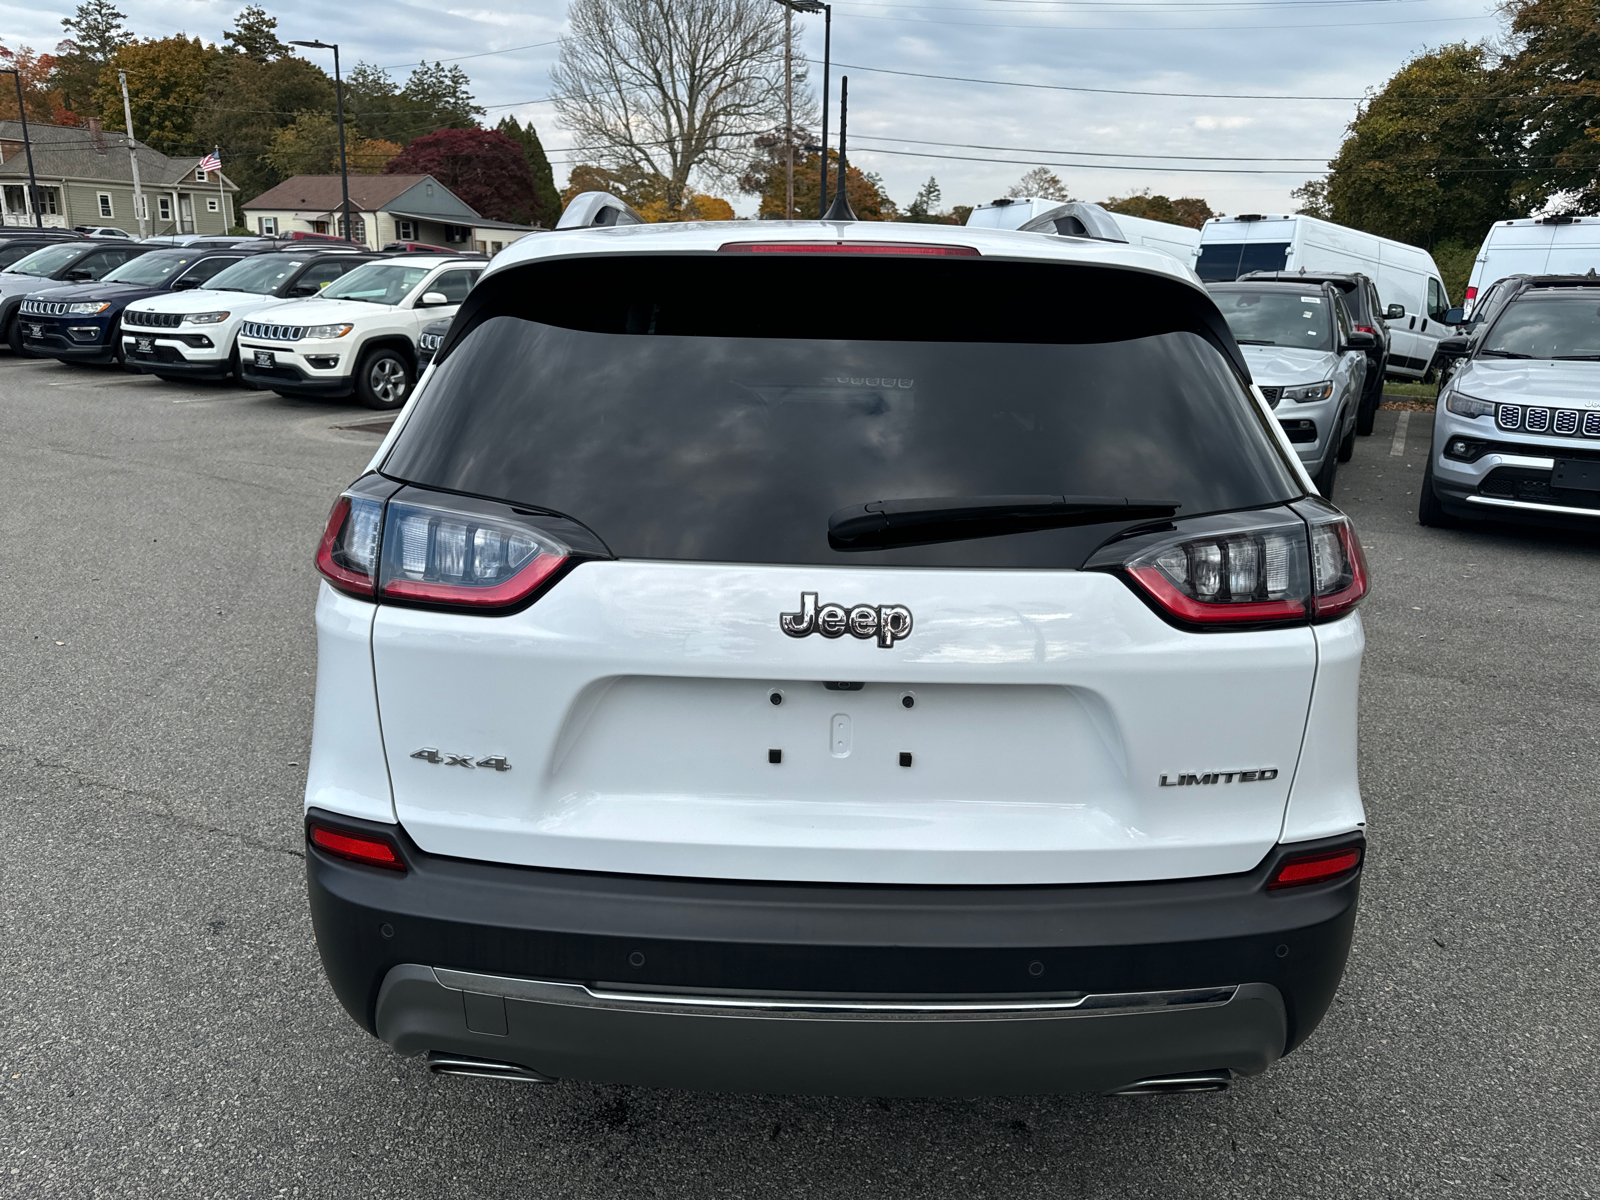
(291,379)
(733,936)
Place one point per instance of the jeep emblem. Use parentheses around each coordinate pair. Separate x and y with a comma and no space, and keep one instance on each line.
(886,622)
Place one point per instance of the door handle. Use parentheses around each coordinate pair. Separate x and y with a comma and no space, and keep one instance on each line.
(1413,323)
(1424,324)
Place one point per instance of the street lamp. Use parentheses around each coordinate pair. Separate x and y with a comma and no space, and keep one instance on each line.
(790,7)
(338,97)
(22,115)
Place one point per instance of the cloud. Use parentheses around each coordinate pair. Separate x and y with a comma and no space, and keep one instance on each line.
(1210,122)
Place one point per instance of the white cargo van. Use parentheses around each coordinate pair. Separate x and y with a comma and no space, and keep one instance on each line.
(1076,218)
(1535,246)
(1408,280)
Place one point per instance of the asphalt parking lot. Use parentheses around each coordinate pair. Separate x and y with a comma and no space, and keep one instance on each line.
(166,1030)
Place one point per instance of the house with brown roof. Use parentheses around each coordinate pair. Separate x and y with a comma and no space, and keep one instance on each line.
(84,177)
(385,208)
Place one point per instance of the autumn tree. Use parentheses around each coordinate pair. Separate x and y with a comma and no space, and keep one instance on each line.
(36,73)
(547,209)
(1041,182)
(484,167)
(248,102)
(310,146)
(1185,210)
(673,88)
(166,86)
(924,206)
(765,177)
(255,35)
(433,98)
(1433,157)
(1551,82)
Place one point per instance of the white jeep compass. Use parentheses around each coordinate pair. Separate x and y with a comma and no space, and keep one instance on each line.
(360,335)
(820,657)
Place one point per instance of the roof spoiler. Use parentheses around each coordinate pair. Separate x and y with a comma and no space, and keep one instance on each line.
(589,209)
(1077,219)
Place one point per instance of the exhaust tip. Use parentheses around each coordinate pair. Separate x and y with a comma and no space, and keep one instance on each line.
(1192,1081)
(482,1068)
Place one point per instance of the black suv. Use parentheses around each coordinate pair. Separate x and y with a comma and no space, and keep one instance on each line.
(1361,301)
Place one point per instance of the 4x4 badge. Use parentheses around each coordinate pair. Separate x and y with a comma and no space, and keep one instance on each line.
(886,622)
(429,754)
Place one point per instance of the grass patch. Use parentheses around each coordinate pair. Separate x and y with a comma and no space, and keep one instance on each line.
(1411,391)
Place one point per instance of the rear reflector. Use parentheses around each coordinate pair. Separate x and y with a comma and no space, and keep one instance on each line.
(914,249)
(1302,869)
(372,849)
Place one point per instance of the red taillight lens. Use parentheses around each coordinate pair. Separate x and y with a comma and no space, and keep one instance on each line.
(372,849)
(1301,869)
(460,557)
(1338,568)
(1230,577)
(914,249)
(1366,329)
(348,554)
(1472,293)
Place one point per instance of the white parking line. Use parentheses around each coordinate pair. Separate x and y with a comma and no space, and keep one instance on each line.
(1398,446)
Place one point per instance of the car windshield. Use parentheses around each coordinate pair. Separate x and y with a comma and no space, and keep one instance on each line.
(47,261)
(1277,318)
(1546,327)
(259,275)
(149,268)
(378,283)
(676,426)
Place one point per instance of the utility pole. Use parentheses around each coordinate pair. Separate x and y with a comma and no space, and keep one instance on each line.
(805,6)
(27,146)
(788,110)
(338,94)
(827,56)
(133,156)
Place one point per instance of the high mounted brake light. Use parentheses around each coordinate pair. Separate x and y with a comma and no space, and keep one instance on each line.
(1302,869)
(903,249)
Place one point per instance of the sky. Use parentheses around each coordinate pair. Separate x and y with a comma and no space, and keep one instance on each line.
(1101,144)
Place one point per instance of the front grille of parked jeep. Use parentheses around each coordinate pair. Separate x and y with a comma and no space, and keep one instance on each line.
(274,333)
(1560,422)
(152,320)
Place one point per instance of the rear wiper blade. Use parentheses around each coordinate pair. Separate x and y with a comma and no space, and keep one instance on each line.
(1501,354)
(921,522)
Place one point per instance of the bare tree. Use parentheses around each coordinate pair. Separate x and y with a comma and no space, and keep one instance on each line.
(674,88)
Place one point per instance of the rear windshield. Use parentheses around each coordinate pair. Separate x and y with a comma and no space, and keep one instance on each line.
(259,275)
(1546,327)
(712,409)
(1277,318)
(1223,262)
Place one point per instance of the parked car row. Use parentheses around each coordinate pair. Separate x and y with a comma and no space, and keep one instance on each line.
(303,319)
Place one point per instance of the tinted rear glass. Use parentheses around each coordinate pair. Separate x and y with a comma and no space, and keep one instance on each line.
(1277,318)
(714,409)
(1223,262)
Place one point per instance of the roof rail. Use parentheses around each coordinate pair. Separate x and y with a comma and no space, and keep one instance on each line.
(1076,219)
(589,209)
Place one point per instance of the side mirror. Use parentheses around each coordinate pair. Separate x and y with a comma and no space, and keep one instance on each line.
(1394,312)
(1455,347)
(185,285)
(79,275)
(433,299)
(1361,341)
(304,289)
(1454,316)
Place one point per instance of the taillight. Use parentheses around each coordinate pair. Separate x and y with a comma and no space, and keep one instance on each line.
(1272,567)
(1366,329)
(1338,568)
(913,249)
(1300,869)
(375,850)
(1472,294)
(348,555)
(463,554)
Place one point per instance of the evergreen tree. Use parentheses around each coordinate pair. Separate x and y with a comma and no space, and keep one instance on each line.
(547,200)
(96,31)
(255,35)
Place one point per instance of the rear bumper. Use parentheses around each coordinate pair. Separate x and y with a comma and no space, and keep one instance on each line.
(1085,988)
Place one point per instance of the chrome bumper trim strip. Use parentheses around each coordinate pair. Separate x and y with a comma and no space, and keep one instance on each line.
(1497,502)
(577,995)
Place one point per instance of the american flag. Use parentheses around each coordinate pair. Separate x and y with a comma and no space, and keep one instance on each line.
(211,163)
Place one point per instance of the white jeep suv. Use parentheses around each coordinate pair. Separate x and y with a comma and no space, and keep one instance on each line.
(360,335)
(937,678)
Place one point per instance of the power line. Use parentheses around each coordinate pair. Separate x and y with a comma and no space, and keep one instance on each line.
(510,50)
(872,137)
(1033,162)
(1161,28)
